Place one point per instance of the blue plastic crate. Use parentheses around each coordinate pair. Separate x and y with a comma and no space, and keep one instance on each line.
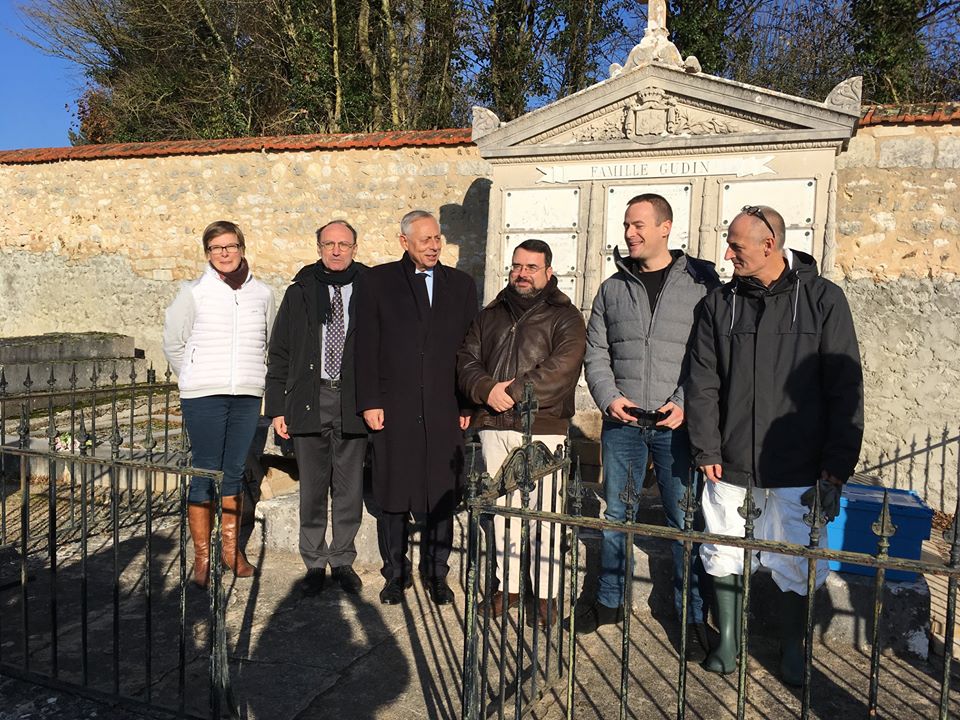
(853,528)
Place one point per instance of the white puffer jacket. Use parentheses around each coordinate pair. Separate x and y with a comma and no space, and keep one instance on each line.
(215,338)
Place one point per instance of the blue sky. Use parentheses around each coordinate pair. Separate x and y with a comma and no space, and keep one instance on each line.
(35,87)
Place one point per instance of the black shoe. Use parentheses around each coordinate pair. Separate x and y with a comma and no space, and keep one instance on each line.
(313,582)
(698,644)
(439,591)
(392,593)
(348,579)
(596,615)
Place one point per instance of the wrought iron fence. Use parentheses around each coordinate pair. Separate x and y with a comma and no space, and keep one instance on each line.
(925,465)
(509,665)
(94,592)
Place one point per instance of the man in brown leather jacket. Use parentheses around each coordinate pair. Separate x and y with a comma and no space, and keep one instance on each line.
(531,332)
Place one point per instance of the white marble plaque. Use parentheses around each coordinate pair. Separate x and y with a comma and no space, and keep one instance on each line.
(563,245)
(796,200)
(568,285)
(679,195)
(541,209)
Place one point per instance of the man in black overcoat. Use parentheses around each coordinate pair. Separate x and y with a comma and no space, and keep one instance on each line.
(412,316)
(310,394)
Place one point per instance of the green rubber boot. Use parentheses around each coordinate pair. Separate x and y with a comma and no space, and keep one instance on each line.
(728,591)
(793,615)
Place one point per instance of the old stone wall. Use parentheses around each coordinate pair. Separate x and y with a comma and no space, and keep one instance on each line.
(101,244)
(898,222)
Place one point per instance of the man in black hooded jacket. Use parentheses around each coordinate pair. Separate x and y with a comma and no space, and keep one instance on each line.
(774,403)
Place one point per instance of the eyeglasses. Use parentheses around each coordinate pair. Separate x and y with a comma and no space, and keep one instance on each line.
(223,249)
(530,269)
(757,212)
(341,246)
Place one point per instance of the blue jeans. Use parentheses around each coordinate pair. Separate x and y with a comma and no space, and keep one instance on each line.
(626,446)
(221,429)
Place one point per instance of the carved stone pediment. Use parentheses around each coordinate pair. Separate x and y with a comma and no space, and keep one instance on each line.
(649,115)
(664,108)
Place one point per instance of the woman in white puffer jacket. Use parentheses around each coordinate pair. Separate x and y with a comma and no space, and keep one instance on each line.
(215,338)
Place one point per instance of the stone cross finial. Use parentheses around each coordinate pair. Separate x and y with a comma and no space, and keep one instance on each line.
(657,17)
(655,45)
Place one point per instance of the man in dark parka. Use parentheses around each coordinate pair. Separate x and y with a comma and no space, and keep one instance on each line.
(412,316)
(775,407)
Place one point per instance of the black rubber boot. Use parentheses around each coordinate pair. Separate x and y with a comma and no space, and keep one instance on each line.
(728,592)
(793,615)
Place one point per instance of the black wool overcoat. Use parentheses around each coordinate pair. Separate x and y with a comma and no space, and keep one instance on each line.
(293,360)
(406,359)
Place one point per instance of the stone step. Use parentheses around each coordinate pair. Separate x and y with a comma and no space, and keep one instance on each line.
(59,347)
(277,529)
(62,353)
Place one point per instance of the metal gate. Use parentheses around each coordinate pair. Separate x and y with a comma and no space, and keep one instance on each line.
(509,665)
(94,593)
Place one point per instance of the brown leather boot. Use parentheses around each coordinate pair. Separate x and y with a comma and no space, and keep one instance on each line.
(233,557)
(495,606)
(199,517)
(546,613)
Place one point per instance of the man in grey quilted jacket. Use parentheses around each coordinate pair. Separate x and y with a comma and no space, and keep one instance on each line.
(637,341)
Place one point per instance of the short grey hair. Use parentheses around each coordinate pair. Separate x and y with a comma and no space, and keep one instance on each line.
(411,217)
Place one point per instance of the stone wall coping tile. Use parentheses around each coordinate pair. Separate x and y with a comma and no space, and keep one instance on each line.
(290,143)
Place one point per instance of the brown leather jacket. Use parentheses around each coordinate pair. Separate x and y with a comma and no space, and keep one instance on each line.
(545,347)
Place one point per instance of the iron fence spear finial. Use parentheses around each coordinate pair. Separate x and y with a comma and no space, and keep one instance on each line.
(82,435)
(24,427)
(629,496)
(575,491)
(527,408)
(749,510)
(815,519)
(116,439)
(884,527)
(689,502)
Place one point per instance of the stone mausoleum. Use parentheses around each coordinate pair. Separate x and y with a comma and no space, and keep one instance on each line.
(564,173)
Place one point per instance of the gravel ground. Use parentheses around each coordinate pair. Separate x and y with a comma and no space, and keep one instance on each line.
(22,701)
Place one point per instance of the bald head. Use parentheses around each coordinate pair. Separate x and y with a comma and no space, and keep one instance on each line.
(755,243)
(770,222)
